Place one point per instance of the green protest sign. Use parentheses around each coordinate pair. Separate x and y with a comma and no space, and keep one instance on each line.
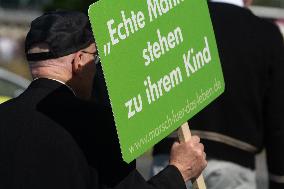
(161,65)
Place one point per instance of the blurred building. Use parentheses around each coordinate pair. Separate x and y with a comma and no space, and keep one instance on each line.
(15,19)
(16,15)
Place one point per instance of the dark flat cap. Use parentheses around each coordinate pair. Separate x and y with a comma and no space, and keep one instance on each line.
(65,32)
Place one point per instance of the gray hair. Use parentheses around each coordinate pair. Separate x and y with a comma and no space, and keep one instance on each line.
(56,65)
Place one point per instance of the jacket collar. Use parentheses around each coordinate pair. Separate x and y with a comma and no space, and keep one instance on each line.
(58,82)
(51,85)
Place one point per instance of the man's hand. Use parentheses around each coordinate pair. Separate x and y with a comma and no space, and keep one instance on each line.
(189,157)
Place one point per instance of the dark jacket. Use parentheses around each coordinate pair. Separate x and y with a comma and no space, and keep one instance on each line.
(51,139)
(249,115)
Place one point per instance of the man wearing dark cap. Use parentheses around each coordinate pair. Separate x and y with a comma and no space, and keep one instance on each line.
(52,137)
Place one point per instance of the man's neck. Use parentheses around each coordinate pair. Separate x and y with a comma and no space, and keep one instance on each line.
(239,3)
(59,81)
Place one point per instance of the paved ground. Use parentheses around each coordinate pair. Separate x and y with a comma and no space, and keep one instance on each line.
(144,163)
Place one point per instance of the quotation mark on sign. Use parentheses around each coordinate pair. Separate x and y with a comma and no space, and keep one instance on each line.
(107,49)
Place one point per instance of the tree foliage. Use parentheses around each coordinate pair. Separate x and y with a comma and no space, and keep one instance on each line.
(275,3)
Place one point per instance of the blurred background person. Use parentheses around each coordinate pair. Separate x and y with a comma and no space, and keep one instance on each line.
(248,117)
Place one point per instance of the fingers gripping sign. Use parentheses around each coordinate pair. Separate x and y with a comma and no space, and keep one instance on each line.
(197,161)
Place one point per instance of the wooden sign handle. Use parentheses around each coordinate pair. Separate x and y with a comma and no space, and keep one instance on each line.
(184,135)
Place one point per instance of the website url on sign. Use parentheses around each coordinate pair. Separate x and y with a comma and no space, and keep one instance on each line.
(201,97)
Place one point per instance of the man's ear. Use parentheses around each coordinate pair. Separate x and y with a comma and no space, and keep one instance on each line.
(77,64)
